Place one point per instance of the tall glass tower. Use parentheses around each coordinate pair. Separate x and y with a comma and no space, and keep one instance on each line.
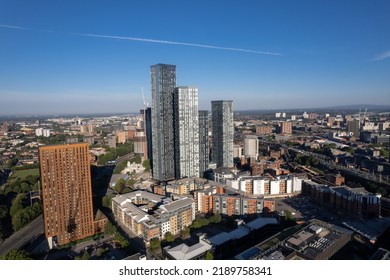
(185,101)
(163,83)
(203,142)
(223,132)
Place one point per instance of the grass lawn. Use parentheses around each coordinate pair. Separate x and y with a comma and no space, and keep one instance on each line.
(22,174)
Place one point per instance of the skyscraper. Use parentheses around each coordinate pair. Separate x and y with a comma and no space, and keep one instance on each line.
(223,132)
(185,100)
(163,83)
(66,192)
(147,115)
(204,152)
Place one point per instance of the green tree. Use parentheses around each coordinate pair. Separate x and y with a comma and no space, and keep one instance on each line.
(209,256)
(25,187)
(130,183)
(12,162)
(3,212)
(101,251)
(119,185)
(384,153)
(109,229)
(120,167)
(146,164)
(25,216)
(136,159)
(84,256)
(155,244)
(169,237)
(288,215)
(122,241)
(106,201)
(185,233)
(216,218)
(17,204)
(16,254)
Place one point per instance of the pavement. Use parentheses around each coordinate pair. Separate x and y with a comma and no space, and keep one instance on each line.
(303,208)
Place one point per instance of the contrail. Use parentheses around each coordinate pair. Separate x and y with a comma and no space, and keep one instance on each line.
(24,28)
(176,43)
(381,56)
(148,40)
(13,27)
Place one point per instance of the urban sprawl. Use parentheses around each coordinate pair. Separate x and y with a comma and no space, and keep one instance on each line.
(175,182)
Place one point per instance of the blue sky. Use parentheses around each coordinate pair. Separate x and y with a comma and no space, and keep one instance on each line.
(292,54)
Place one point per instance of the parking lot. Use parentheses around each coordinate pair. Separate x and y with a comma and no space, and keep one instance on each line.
(302,208)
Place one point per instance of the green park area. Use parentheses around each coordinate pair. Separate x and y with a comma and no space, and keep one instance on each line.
(22,174)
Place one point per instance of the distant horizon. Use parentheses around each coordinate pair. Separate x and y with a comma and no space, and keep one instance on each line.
(351,107)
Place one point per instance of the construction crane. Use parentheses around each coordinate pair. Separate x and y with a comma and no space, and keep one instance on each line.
(364,115)
(143,97)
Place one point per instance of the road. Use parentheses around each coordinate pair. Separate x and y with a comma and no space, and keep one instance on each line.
(124,157)
(23,236)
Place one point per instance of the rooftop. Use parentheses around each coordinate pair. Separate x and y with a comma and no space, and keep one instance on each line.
(185,252)
(261,222)
(347,191)
(313,241)
(227,236)
(177,204)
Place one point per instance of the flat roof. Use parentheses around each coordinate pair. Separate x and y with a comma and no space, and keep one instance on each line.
(177,204)
(226,236)
(261,222)
(185,252)
(147,195)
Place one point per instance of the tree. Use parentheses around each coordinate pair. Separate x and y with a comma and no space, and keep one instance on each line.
(185,233)
(3,212)
(209,256)
(288,215)
(109,229)
(196,224)
(146,164)
(84,256)
(106,201)
(169,237)
(25,216)
(17,204)
(101,251)
(384,153)
(155,244)
(119,185)
(216,218)
(16,254)
(136,159)
(25,187)
(122,241)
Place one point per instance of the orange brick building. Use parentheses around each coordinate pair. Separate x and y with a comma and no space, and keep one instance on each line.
(66,192)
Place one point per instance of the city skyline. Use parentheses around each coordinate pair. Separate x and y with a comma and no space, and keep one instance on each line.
(263,55)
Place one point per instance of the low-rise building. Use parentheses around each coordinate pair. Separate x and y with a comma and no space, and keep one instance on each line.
(316,240)
(149,215)
(262,185)
(353,201)
(185,252)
